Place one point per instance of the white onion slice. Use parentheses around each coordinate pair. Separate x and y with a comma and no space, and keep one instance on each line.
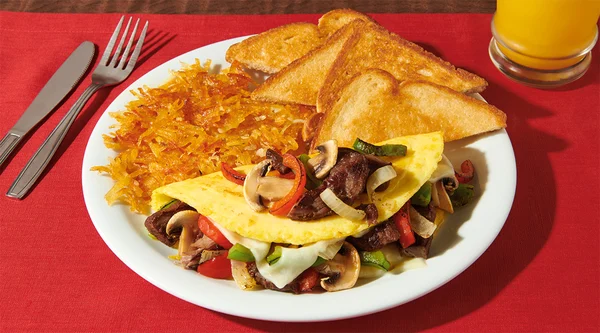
(380,176)
(419,224)
(340,208)
(242,276)
(332,250)
(444,170)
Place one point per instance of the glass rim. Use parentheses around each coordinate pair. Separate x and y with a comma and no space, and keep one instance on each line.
(579,54)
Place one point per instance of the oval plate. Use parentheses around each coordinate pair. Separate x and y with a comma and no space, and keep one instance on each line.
(462,239)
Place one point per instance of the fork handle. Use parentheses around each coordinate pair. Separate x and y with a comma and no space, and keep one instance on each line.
(36,165)
(7,145)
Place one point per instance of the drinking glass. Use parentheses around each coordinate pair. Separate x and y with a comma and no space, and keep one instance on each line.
(544,43)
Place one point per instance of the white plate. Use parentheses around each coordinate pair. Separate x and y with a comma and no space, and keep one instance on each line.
(462,239)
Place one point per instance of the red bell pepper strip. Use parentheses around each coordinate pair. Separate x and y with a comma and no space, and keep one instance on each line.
(232,175)
(212,232)
(402,221)
(218,267)
(467,172)
(308,280)
(285,204)
(289,175)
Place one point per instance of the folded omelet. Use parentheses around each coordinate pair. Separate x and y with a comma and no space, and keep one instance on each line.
(223,201)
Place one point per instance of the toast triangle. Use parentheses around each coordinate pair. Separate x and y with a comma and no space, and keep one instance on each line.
(378,48)
(276,48)
(299,83)
(375,107)
(335,19)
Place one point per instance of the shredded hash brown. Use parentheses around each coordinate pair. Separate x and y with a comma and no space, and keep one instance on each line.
(188,126)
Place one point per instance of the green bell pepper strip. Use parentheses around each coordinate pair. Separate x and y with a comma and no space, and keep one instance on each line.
(319,262)
(385,150)
(274,256)
(375,259)
(240,253)
(168,204)
(462,195)
(313,182)
(423,195)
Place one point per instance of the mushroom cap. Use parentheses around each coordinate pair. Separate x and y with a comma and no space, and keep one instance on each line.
(344,267)
(187,220)
(443,198)
(327,158)
(251,185)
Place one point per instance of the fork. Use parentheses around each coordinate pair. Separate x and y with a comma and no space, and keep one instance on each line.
(104,75)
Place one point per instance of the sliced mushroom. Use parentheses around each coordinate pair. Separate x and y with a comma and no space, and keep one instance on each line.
(450,184)
(342,270)
(443,200)
(274,188)
(327,158)
(251,185)
(187,221)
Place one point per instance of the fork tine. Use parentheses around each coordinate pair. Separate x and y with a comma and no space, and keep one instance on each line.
(137,50)
(113,62)
(129,44)
(111,43)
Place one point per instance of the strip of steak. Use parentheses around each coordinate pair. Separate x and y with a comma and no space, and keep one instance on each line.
(277,161)
(293,286)
(380,235)
(346,180)
(157,222)
(420,249)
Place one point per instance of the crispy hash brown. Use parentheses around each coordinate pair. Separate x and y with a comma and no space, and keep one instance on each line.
(188,126)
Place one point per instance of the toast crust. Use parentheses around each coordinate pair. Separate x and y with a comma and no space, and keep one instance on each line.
(274,49)
(381,49)
(375,106)
(299,82)
(335,19)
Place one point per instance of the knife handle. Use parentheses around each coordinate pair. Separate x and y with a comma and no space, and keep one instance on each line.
(7,145)
(36,165)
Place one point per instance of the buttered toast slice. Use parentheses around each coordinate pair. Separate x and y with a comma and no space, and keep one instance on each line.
(299,82)
(378,48)
(334,20)
(375,107)
(274,49)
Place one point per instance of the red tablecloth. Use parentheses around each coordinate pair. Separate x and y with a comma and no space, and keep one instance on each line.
(541,273)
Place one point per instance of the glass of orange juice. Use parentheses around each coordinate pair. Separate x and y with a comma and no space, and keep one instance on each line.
(544,43)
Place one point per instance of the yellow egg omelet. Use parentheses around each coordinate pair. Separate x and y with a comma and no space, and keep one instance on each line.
(223,201)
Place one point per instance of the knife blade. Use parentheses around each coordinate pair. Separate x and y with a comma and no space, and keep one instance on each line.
(60,84)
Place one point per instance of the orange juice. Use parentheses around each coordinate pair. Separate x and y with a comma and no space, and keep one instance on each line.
(546,34)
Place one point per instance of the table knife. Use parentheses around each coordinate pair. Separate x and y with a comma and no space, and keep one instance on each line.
(60,84)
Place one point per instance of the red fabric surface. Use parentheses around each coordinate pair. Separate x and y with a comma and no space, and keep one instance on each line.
(541,273)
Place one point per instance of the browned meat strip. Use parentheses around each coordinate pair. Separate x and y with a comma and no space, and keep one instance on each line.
(374,161)
(277,162)
(157,222)
(371,211)
(346,179)
(191,258)
(420,249)
(380,235)
(427,212)
(293,286)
